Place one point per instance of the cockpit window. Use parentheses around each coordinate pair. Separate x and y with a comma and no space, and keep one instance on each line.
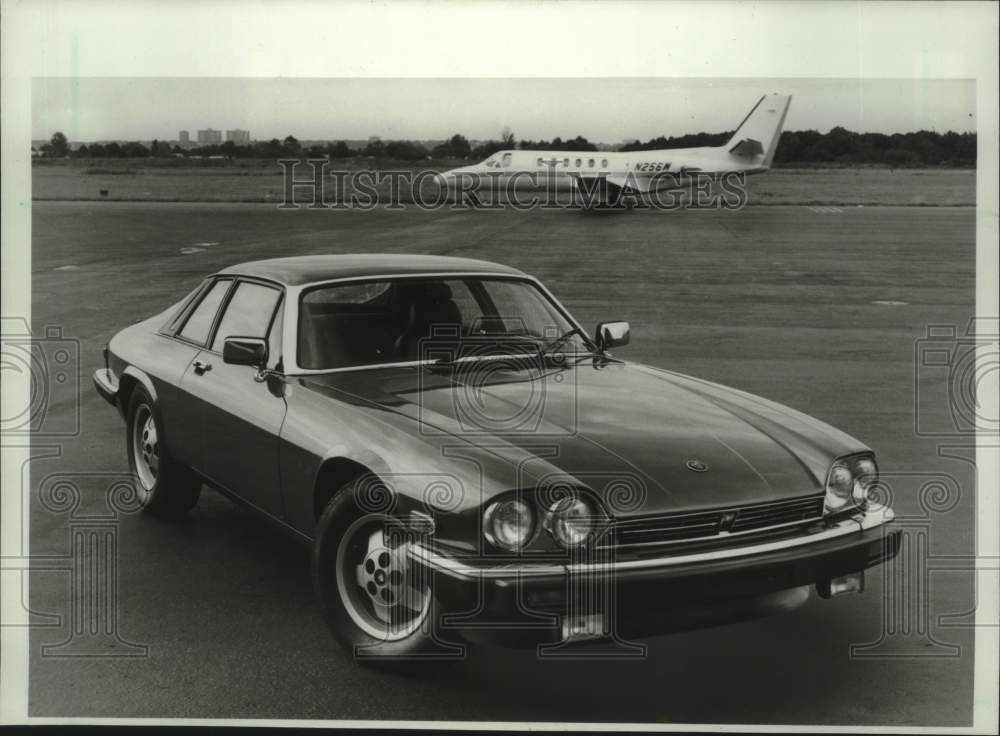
(491,162)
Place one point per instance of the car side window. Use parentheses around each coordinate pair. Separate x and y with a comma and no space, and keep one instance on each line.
(248,313)
(185,306)
(199,324)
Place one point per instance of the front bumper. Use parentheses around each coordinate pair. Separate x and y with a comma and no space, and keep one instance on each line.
(523,603)
(106,384)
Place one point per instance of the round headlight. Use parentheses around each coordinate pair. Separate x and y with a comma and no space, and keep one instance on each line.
(571,521)
(838,487)
(865,476)
(508,524)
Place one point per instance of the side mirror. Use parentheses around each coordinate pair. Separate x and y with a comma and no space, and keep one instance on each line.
(612,334)
(250,351)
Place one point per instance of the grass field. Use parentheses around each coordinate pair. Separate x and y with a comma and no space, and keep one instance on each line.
(261,181)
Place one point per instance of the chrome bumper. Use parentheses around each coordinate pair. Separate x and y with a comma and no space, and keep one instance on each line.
(106,384)
(477,569)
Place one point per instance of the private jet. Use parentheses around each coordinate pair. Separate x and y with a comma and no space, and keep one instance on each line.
(606,177)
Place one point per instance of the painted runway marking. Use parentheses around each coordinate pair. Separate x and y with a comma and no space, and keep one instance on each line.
(189,251)
(826,210)
(890,303)
(206,245)
(65,268)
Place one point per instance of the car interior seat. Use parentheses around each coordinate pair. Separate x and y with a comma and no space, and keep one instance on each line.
(429,314)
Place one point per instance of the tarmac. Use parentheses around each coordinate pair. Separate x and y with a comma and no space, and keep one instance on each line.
(825,309)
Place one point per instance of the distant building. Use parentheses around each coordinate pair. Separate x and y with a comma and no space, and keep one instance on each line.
(209,137)
(239,137)
(184,139)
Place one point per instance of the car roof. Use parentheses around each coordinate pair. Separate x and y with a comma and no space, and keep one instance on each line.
(300,270)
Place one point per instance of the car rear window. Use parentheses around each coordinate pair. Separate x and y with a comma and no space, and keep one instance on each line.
(181,309)
(199,324)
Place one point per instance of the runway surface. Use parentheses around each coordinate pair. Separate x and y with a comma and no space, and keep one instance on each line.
(818,308)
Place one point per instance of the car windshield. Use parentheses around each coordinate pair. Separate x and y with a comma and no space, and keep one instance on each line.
(428,319)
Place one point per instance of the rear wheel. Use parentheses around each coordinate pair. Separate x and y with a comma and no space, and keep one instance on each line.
(165,487)
(379,606)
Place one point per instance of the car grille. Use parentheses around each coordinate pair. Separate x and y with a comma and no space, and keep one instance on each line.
(695,526)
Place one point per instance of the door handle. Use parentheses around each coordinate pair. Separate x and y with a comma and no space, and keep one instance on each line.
(201,367)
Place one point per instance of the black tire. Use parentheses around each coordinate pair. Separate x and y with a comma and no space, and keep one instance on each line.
(345,518)
(171,489)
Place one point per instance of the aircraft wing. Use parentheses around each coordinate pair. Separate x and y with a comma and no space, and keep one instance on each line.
(629,183)
(614,185)
(610,187)
(661,180)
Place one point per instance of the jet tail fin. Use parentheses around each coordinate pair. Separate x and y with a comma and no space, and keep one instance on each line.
(756,139)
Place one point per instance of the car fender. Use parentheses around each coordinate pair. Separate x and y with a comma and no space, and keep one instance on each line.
(367,457)
(142,378)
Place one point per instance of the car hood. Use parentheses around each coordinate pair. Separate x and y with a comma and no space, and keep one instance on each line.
(646,440)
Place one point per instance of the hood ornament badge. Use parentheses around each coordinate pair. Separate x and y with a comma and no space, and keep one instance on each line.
(696,465)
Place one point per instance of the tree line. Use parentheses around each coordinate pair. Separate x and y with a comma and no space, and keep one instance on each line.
(922,148)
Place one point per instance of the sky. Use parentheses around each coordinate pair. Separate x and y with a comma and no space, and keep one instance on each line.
(607,110)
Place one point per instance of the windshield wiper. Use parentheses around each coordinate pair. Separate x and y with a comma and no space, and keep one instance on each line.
(553,344)
(447,362)
(542,351)
(444,362)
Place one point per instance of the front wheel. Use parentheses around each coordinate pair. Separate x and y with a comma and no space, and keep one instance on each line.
(165,487)
(379,606)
